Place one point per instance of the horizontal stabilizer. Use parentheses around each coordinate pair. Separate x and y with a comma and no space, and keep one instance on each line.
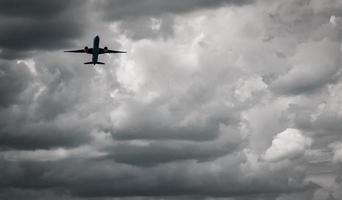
(94,63)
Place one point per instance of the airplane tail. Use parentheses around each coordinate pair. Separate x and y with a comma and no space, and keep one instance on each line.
(94,63)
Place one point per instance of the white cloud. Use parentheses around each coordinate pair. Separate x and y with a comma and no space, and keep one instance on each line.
(246,88)
(337,151)
(288,144)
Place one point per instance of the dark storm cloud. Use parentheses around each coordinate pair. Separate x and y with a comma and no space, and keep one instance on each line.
(34,8)
(157,126)
(27,34)
(34,107)
(42,136)
(158,152)
(146,131)
(14,79)
(121,9)
(24,174)
(186,113)
(107,178)
(39,25)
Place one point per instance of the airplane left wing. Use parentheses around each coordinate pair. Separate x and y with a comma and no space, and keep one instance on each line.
(76,51)
(102,51)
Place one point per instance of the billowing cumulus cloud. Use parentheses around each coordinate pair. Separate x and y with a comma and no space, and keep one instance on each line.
(337,148)
(288,144)
(214,100)
(316,64)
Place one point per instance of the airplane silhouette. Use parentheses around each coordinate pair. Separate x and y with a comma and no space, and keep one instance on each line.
(95,51)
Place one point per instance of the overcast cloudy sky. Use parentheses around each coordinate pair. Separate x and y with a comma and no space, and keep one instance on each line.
(215,99)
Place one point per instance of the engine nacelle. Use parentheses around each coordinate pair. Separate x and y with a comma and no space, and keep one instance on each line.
(105,49)
(86,49)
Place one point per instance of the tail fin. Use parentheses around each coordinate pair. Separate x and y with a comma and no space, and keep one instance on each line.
(94,63)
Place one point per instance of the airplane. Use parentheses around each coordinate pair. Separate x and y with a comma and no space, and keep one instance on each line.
(95,51)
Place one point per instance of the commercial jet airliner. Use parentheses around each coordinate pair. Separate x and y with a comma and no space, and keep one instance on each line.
(95,51)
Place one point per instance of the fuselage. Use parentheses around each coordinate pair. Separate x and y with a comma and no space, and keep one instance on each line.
(95,51)
(96,48)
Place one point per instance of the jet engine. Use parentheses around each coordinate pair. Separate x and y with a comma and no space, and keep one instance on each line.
(105,49)
(86,49)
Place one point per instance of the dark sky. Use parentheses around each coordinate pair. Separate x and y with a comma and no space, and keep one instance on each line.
(215,99)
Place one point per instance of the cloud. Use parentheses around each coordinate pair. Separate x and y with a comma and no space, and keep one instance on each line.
(14,79)
(33,8)
(39,25)
(147,27)
(120,9)
(147,152)
(44,106)
(154,19)
(315,65)
(100,178)
(337,151)
(288,144)
(199,107)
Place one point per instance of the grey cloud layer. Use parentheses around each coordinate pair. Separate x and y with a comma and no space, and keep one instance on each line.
(39,25)
(34,8)
(120,9)
(107,178)
(215,99)
(14,80)
(49,25)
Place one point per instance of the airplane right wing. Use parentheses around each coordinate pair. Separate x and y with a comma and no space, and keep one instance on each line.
(115,51)
(106,50)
